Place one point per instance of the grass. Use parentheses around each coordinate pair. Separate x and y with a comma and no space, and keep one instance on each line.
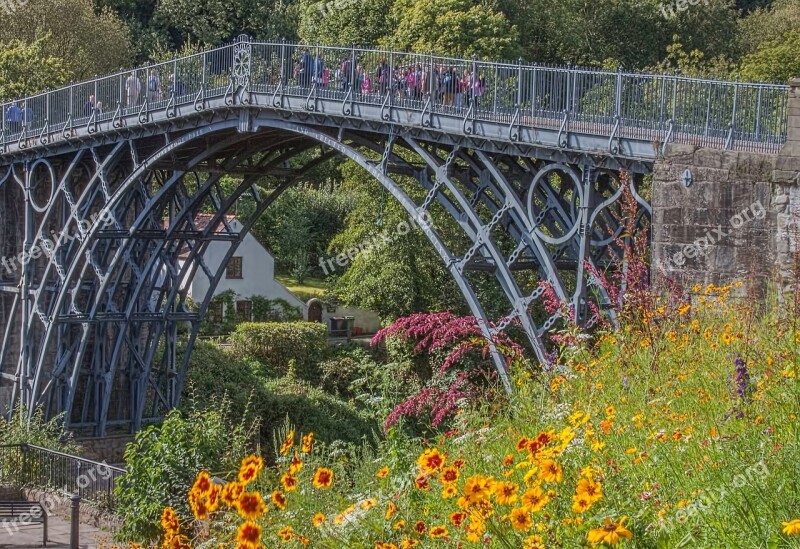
(310,288)
(679,430)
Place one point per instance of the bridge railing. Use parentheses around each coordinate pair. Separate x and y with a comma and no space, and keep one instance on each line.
(655,107)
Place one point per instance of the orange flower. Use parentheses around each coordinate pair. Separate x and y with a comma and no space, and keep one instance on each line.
(279,499)
(449,475)
(368,504)
(323,478)
(521,519)
(458,464)
(202,485)
(308,442)
(287,443)
(431,461)
(391,509)
(251,506)
(550,471)
(250,468)
(231,492)
(383,472)
(610,533)
(289,482)
(522,444)
(296,465)
(534,500)
(508,460)
(438,532)
(286,534)
(421,482)
(319,520)
(249,535)
(449,491)
(458,518)
(169,520)
(198,505)
(506,492)
(408,543)
(419,527)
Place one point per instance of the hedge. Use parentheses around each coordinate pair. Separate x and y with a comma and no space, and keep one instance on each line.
(275,344)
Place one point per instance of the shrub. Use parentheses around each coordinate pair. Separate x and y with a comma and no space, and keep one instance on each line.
(276,344)
(162,463)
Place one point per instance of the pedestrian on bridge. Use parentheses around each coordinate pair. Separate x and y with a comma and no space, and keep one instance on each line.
(14,118)
(133,89)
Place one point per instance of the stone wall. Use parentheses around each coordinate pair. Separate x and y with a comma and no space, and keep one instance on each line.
(725,216)
(110,449)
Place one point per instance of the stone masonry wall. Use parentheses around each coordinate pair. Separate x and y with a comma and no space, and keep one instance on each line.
(737,219)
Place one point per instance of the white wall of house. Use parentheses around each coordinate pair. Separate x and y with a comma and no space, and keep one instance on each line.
(258,272)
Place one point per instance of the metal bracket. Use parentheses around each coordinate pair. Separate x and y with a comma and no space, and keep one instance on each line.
(729,140)
(512,135)
(170,108)
(668,138)
(230,90)
(67,130)
(200,99)
(613,141)
(3,147)
(43,139)
(386,107)
(279,90)
(347,99)
(563,134)
(116,120)
(91,125)
(428,104)
(143,113)
(469,130)
(21,142)
(312,94)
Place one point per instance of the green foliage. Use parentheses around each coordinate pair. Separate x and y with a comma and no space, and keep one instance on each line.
(26,69)
(163,462)
(263,310)
(276,345)
(776,61)
(216,373)
(36,431)
(454,27)
(88,42)
(362,22)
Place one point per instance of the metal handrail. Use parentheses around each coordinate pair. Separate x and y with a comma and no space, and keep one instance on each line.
(617,104)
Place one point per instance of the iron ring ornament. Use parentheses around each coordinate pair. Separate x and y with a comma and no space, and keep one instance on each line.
(539,208)
(242,57)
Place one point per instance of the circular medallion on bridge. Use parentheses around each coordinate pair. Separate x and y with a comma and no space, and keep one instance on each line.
(554,202)
(242,53)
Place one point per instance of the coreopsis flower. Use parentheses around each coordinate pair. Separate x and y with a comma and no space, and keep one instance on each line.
(251,506)
(391,509)
(197,502)
(521,519)
(318,520)
(478,488)
(591,490)
(250,468)
(231,492)
(422,483)
(289,482)
(438,531)
(296,464)
(449,475)
(308,443)
(610,533)
(288,442)
(202,485)
(368,504)
(323,478)
(249,535)
(505,492)
(408,543)
(459,463)
(533,542)
(279,499)
(791,528)
(169,520)
(431,461)
(420,527)
(534,499)
(550,471)
(449,491)
(383,472)
(286,534)
(580,504)
(458,518)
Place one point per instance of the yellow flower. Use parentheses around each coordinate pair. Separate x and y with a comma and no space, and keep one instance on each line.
(202,485)
(319,520)
(249,535)
(438,531)
(296,465)
(368,504)
(323,478)
(610,533)
(478,489)
(289,482)
(449,475)
(550,471)
(287,443)
(408,543)
(533,542)
(308,442)
(506,492)
(589,489)
(449,491)
(391,509)
(458,518)
(279,499)
(431,461)
(251,506)
(580,504)
(399,525)
(286,534)
(250,468)
(383,472)
(534,499)
(791,528)
(521,519)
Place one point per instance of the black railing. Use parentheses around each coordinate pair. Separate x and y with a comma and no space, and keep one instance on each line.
(33,466)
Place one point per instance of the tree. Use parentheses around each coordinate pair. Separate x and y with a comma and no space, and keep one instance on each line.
(776,61)
(26,69)
(344,22)
(454,27)
(88,43)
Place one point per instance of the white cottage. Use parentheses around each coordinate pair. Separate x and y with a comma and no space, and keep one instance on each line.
(249,272)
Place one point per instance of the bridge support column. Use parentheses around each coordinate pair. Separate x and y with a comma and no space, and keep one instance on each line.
(723,216)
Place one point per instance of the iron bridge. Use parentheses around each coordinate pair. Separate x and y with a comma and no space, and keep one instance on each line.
(101,184)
